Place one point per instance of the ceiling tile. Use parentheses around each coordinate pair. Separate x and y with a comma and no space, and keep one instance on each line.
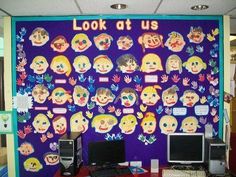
(232,13)
(103,6)
(216,7)
(42,7)
(2,14)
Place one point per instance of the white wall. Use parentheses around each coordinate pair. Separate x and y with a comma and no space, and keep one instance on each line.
(1,46)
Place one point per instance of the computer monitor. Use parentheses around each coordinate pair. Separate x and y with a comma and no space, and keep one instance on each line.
(106,152)
(185,148)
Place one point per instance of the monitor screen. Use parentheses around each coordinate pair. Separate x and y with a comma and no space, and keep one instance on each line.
(185,148)
(106,152)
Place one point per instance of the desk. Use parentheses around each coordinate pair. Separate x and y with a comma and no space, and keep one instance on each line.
(84,171)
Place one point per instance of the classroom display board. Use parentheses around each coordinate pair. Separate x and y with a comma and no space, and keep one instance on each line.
(136,78)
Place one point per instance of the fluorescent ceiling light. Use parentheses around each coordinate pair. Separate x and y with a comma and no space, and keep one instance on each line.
(118,6)
(199,7)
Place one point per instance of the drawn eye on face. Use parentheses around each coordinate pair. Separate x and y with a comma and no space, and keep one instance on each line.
(130,97)
(110,122)
(124,97)
(59,94)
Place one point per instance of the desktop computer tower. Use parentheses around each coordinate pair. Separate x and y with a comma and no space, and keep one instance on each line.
(70,152)
(215,151)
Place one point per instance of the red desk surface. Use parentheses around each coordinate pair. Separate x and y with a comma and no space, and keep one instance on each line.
(84,171)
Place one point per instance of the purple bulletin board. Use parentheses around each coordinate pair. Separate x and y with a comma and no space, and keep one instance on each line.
(135,78)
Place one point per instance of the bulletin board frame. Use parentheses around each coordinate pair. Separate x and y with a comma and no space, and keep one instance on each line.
(121,17)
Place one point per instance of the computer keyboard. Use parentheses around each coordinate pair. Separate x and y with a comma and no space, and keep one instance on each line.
(183,173)
(110,172)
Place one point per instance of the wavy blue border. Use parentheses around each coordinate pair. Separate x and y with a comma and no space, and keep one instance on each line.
(221,97)
(95,17)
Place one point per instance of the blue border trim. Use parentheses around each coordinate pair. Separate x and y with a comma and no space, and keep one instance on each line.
(15,125)
(95,17)
(221,68)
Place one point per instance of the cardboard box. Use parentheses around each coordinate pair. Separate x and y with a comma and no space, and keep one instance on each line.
(3,155)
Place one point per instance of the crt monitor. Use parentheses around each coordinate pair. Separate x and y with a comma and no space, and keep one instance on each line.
(106,152)
(185,148)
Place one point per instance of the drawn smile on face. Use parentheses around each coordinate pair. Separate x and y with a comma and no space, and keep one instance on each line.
(59,125)
(80,42)
(78,123)
(102,64)
(168,124)
(128,124)
(128,99)
(103,123)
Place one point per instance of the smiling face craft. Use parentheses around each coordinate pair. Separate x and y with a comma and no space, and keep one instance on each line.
(189,98)
(127,63)
(102,64)
(78,123)
(103,123)
(81,64)
(190,124)
(149,123)
(32,164)
(173,63)
(39,37)
(59,44)
(150,40)
(80,96)
(194,65)
(59,125)
(196,35)
(175,42)
(61,65)
(39,65)
(26,149)
(168,124)
(149,95)
(125,42)
(41,123)
(60,96)
(170,96)
(51,158)
(151,63)
(40,93)
(128,97)
(128,124)
(80,42)
(103,41)
(103,96)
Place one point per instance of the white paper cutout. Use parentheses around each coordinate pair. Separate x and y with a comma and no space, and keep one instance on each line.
(179,111)
(22,102)
(201,110)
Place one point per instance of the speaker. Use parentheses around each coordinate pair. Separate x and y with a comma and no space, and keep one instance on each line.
(70,152)
(154,166)
(215,156)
